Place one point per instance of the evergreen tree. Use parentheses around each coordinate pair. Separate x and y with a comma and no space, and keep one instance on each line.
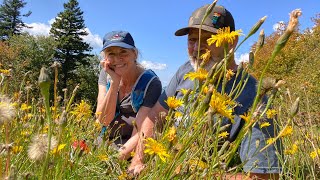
(68,30)
(10,18)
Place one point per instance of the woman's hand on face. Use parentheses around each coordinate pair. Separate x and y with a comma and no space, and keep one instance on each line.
(110,70)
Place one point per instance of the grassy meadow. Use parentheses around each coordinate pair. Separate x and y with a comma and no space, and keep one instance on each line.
(46,136)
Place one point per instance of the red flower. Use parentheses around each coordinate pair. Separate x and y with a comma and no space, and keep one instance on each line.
(80,144)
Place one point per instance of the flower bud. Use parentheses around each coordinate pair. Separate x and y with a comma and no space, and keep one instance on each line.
(293,22)
(251,59)
(255,28)
(260,41)
(295,107)
(44,80)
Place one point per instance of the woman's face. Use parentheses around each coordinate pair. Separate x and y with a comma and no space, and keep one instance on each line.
(121,60)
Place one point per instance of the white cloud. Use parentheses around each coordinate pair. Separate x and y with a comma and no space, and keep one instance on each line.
(51,21)
(153,65)
(93,39)
(279,26)
(242,58)
(38,29)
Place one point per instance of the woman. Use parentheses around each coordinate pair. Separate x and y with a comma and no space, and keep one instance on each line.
(126,90)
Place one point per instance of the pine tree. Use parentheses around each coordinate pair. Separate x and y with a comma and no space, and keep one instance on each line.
(68,30)
(10,18)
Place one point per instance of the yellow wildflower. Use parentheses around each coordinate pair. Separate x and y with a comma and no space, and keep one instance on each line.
(123,176)
(224,36)
(132,153)
(315,153)
(264,124)
(205,90)
(287,131)
(25,133)
(53,108)
(45,129)
(223,134)
(271,140)
(293,150)
(201,74)
(58,149)
(206,56)
(178,114)
(17,149)
(103,157)
(16,95)
(229,74)
(196,163)
(221,105)
(171,134)
(184,91)
(173,103)
(82,111)
(154,147)
(97,125)
(271,113)
(25,107)
(246,117)
(5,71)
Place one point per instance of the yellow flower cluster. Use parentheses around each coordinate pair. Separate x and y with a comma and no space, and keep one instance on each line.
(173,103)
(206,56)
(103,157)
(196,163)
(287,131)
(82,111)
(271,113)
(224,36)
(5,71)
(201,74)
(229,74)
(58,149)
(155,148)
(171,134)
(293,150)
(315,153)
(25,107)
(222,105)
(271,140)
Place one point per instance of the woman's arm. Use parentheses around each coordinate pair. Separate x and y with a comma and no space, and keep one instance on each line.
(147,130)
(152,94)
(130,145)
(107,101)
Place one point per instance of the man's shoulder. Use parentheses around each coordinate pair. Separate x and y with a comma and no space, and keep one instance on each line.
(185,68)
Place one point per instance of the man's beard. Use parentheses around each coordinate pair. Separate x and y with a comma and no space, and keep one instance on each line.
(195,63)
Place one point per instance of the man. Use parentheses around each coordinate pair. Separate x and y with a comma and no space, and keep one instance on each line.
(262,165)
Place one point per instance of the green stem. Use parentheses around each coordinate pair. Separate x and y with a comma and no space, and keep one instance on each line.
(8,149)
(49,121)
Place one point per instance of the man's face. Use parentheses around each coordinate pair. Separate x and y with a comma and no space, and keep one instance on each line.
(193,45)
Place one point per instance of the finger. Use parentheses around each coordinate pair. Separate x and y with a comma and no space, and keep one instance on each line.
(138,169)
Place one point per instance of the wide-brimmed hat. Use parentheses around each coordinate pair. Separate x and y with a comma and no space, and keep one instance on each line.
(219,17)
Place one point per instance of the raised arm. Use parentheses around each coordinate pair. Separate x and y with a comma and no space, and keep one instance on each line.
(107,97)
(107,101)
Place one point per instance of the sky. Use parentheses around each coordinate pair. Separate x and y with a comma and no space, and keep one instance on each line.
(153,24)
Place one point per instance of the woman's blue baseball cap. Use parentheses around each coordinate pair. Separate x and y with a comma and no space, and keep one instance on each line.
(118,38)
